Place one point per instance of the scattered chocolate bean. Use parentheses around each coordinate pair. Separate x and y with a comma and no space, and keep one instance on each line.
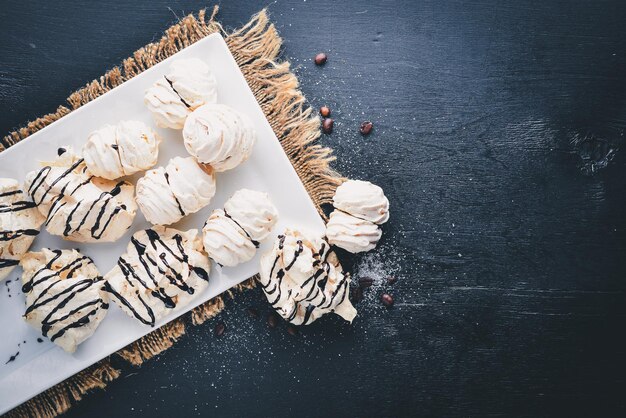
(392,279)
(61,151)
(327,125)
(365,282)
(39,340)
(292,330)
(272,320)
(387,300)
(253,312)
(357,294)
(320,59)
(366,128)
(325,111)
(219,329)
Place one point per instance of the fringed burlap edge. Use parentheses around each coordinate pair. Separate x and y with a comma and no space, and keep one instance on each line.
(256,47)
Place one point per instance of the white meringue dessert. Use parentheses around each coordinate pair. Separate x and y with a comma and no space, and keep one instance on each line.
(231,236)
(351,233)
(115,151)
(253,211)
(77,205)
(189,84)
(363,200)
(225,241)
(219,135)
(162,270)
(303,280)
(20,223)
(167,194)
(65,298)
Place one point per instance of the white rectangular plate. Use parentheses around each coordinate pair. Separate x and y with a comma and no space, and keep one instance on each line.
(39,366)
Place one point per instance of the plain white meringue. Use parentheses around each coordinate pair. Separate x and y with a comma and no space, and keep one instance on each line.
(162,270)
(253,211)
(363,200)
(20,223)
(189,84)
(77,205)
(219,135)
(167,194)
(225,241)
(65,298)
(115,151)
(303,281)
(351,233)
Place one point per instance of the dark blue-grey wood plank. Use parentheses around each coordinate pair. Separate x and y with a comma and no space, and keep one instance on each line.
(491,118)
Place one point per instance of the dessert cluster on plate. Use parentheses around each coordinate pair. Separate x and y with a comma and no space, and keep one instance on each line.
(85,196)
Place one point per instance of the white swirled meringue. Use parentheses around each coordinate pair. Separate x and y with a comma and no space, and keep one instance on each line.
(116,151)
(351,233)
(232,235)
(302,280)
(363,200)
(20,222)
(65,298)
(162,270)
(189,84)
(219,135)
(225,241)
(253,211)
(167,194)
(77,205)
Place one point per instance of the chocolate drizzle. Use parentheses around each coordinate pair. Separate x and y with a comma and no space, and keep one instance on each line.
(63,313)
(154,258)
(108,208)
(313,293)
(178,94)
(255,243)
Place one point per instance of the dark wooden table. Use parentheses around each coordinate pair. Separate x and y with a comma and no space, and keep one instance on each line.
(498,128)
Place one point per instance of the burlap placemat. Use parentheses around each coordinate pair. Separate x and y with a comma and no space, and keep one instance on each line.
(256,47)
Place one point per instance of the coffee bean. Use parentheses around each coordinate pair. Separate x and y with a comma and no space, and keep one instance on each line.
(392,279)
(387,300)
(272,320)
(325,111)
(366,128)
(365,282)
(292,330)
(219,329)
(356,294)
(327,125)
(320,59)
(253,312)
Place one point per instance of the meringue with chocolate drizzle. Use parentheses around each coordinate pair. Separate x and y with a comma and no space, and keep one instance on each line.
(232,235)
(363,200)
(167,194)
(77,205)
(64,296)
(351,233)
(115,151)
(189,84)
(162,270)
(219,135)
(303,280)
(20,223)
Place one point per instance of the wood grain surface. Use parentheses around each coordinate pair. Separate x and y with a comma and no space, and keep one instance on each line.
(498,128)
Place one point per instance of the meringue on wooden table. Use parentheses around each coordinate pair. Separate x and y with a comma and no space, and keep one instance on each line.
(303,280)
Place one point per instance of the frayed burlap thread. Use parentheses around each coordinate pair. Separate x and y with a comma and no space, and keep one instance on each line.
(256,48)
